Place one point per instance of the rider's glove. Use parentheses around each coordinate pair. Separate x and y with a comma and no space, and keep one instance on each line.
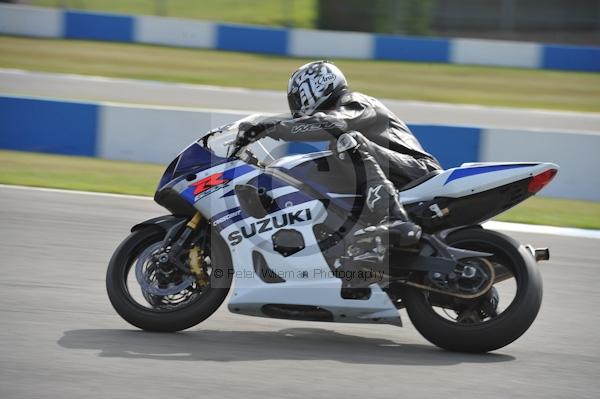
(251,132)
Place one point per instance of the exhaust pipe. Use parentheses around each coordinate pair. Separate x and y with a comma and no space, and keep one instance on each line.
(542,254)
(538,253)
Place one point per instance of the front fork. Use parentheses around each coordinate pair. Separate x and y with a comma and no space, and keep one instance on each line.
(177,241)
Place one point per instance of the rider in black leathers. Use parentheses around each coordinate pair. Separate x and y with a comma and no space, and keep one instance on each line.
(362,131)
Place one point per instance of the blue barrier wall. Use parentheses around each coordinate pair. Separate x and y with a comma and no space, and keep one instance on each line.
(157,134)
(255,39)
(15,19)
(82,25)
(411,49)
(451,145)
(571,58)
(72,128)
(48,126)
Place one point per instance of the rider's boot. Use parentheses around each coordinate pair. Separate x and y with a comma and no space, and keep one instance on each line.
(389,220)
(394,229)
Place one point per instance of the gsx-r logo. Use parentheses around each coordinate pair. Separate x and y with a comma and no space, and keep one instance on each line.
(209,185)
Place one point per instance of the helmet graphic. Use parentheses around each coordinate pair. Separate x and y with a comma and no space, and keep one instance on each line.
(314,86)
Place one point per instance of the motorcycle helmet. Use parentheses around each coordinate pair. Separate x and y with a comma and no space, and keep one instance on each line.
(315,86)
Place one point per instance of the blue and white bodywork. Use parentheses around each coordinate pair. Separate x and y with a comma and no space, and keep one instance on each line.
(205,176)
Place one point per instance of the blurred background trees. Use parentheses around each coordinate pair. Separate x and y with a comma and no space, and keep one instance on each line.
(571,21)
(381,16)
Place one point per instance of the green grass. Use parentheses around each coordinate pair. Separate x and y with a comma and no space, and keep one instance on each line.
(555,212)
(402,80)
(90,174)
(79,173)
(299,13)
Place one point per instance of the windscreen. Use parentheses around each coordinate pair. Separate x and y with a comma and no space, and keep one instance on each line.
(266,150)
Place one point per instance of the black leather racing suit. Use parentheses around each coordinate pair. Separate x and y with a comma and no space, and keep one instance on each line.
(388,151)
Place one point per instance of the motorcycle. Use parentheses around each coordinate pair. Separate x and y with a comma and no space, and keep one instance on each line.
(283,232)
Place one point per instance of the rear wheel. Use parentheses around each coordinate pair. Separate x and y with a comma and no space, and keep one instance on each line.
(163,298)
(490,321)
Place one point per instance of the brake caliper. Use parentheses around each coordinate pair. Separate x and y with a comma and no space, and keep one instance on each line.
(195,258)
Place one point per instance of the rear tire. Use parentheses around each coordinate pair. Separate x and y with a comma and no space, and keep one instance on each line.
(496,332)
(164,321)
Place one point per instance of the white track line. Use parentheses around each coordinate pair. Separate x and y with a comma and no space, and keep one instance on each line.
(64,191)
(514,227)
(540,229)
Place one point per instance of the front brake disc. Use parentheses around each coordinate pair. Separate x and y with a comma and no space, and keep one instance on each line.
(144,274)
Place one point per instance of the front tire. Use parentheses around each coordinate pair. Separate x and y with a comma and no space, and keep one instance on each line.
(498,331)
(164,320)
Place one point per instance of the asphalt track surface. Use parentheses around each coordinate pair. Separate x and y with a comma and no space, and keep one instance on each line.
(60,338)
(77,87)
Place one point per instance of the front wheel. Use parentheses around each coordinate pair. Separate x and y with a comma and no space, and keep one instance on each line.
(162,298)
(493,320)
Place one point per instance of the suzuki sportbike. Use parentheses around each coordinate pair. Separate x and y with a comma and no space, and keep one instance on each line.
(281,233)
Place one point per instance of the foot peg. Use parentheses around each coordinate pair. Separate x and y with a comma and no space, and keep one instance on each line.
(397,233)
(370,250)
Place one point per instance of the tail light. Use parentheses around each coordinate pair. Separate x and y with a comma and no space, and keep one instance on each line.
(538,182)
